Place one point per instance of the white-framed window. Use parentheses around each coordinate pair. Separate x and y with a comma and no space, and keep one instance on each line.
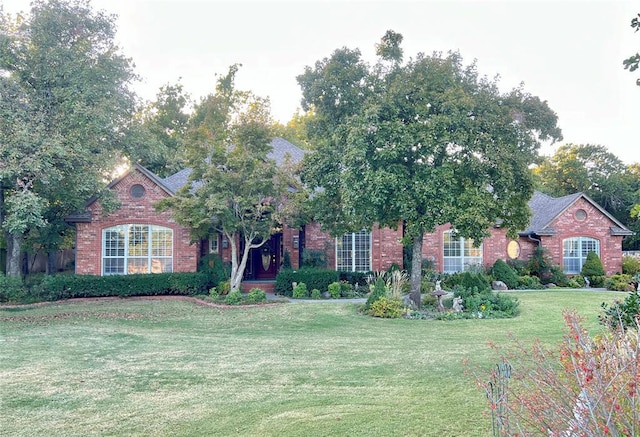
(575,251)
(459,253)
(214,245)
(128,249)
(353,252)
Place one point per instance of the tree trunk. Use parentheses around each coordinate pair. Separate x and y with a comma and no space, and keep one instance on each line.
(416,270)
(14,255)
(51,262)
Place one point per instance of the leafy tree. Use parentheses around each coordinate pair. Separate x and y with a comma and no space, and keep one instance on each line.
(423,143)
(165,120)
(233,187)
(295,131)
(593,270)
(65,108)
(633,62)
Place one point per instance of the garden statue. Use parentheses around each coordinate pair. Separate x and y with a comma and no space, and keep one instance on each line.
(457,304)
(438,293)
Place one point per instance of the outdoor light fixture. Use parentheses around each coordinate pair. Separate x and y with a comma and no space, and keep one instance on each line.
(225,243)
(296,242)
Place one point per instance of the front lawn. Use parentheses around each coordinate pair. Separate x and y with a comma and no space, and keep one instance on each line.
(174,368)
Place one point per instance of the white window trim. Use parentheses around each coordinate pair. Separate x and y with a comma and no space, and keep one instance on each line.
(581,258)
(461,242)
(125,228)
(353,252)
(214,248)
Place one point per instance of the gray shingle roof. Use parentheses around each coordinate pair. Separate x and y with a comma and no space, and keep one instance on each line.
(281,149)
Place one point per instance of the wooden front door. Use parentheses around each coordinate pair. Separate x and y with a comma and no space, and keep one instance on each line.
(266,259)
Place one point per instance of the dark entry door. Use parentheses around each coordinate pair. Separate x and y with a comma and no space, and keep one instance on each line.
(266,259)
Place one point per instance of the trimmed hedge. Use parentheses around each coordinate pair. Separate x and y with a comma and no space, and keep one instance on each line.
(58,287)
(354,278)
(314,278)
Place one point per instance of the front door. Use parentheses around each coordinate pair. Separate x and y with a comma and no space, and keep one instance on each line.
(266,259)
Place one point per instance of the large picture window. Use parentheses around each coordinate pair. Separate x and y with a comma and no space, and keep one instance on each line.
(459,253)
(129,249)
(353,252)
(575,251)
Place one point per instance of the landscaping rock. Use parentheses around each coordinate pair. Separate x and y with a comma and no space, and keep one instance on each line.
(499,285)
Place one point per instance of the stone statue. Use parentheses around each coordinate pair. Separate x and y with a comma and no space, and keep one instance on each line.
(457,304)
(438,287)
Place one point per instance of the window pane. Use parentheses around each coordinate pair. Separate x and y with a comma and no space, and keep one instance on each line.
(113,266)
(138,265)
(138,235)
(344,253)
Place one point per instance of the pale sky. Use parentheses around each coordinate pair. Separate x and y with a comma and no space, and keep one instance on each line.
(566,52)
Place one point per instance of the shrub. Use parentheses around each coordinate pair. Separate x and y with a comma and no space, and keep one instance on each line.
(315,294)
(334,290)
(300,291)
(224,287)
(593,270)
(12,289)
(529,283)
(347,290)
(619,283)
(313,277)
(284,282)
(625,313)
(630,265)
(354,278)
(214,268)
(256,295)
(502,272)
(379,291)
(469,281)
(587,388)
(540,265)
(234,298)
(286,260)
(314,258)
(520,266)
(386,308)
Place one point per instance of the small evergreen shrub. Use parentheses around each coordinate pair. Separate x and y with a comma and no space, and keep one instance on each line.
(520,266)
(214,268)
(469,280)
(315,294)
(300,291)
(529,283)
(593,270)
(502,272)
(284,282)
(619,283)
(224,287)
(12,289)
(234,298)
(347,290)
(334,290)
(386,308)
(630,265)
(354,278)
(379,291)
(286,260)
(256,295)
(625,313)
(313,277)
(540,265)
(559,277)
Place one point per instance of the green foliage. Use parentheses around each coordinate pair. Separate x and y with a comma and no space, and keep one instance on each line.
(386,308)
(347,290)
(234,298)
(315,294)
(286,262)
(256,295)
(313,277)
(354,278)
(300,291)
(593,270)
(501,271)
(379,291)
(630,265)
(558,277)
(619,283)
(214,268)
(334,290)
(632,63)
(529,283)
(625,313)
(469,281)
(540,264)
(12,289)
(224,288)
(56,287)
(485,303)
(314,258)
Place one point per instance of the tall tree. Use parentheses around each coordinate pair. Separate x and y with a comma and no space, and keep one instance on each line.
(423,143)
(233,188)
(632,63)
(65,108)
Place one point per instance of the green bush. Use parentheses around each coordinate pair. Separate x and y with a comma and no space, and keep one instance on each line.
(625,313)
(56,287)
(469,281)
(540,265)
(300,291)
(315,294)
(314,258)
(520,266)
(354,278)
(313,277)
(234,298)
(214,268)
(529,283)
(593,270)
(619,283)
(12,289)
(286,260)
(386,308)
(630,265)
(502,272)
(334,290)
(347,290)
(559,277)
(379,291)
(256,295)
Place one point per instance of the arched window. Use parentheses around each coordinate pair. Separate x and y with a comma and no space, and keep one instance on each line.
(353,252)
(459,253)
(575,250)
(128,249)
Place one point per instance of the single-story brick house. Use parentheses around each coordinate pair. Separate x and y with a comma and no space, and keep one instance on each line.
(137,239)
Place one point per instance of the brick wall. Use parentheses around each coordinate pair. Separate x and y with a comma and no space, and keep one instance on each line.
(132,211)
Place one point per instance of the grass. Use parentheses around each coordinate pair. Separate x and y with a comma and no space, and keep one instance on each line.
(173,368)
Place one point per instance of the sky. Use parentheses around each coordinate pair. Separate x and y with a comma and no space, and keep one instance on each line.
(568,53)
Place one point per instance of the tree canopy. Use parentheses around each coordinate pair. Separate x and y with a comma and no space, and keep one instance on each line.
(233,188)
(65,107)
(632,63)
(423,143)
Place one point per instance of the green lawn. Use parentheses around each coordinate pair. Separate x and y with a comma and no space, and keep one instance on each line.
(173,368)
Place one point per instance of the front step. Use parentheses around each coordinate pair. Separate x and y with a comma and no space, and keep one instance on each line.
(266,286)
